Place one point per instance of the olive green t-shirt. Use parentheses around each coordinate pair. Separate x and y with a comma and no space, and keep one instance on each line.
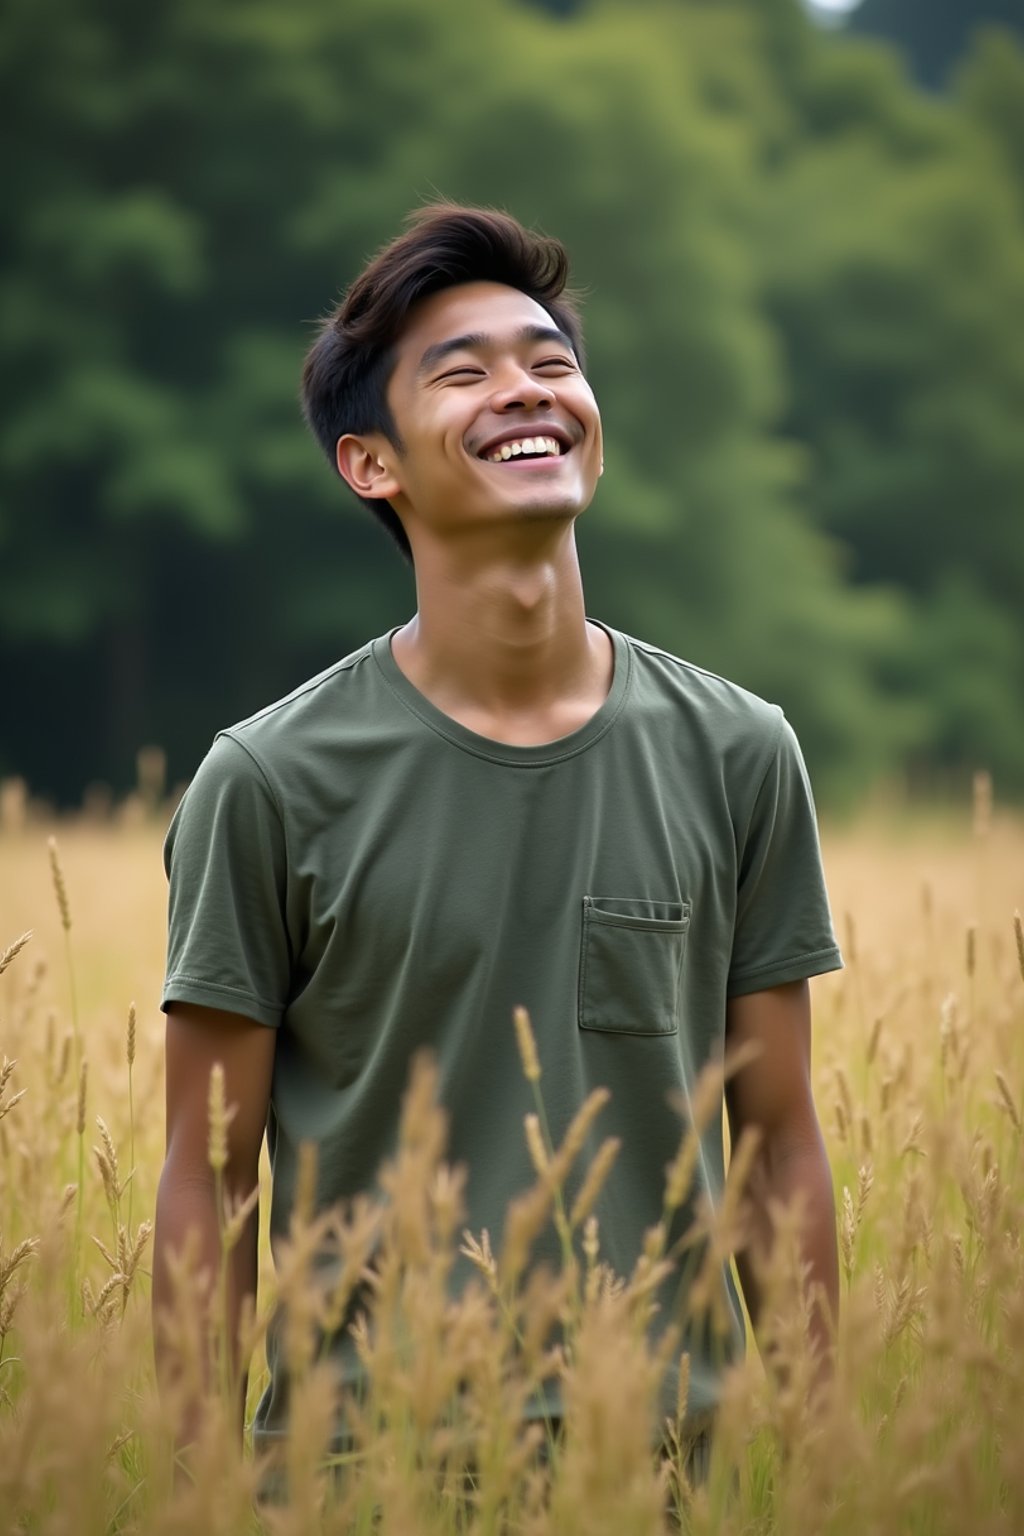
(356,870)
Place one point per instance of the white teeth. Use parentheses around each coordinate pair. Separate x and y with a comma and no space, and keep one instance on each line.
(534,445)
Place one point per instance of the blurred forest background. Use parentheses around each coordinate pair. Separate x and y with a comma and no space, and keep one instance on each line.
(803,252)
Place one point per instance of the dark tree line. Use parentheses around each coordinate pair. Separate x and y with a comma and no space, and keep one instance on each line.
(805,315)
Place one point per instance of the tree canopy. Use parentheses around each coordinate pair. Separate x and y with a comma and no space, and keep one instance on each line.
(805,295)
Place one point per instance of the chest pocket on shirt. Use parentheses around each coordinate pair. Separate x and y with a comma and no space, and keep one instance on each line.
(631,958)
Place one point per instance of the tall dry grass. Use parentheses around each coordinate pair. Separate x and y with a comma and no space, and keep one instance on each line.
(919,1080)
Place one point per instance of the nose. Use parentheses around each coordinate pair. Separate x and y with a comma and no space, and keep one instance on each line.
(517,389)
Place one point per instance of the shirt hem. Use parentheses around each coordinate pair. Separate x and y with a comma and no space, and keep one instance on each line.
(211,994)
(815,963)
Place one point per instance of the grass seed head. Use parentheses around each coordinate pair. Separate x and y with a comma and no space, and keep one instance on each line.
(576,1135)
(683,1387)
(305,1183)
(527,1045)
(1006,1099)
(591,1240)
(108,1146)
(59,885)
(13,949)
(848,1234)
(83,1080)
(6,1105)
(219,1118)
(107,1175)
(13,1261)
(239,1213)
(535,1143)
(479,1254)
(594,1181)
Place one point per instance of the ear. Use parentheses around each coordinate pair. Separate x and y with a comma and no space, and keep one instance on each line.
(365,463)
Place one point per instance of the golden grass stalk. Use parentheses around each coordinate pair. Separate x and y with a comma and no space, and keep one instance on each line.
(13,949)
(847,1234)
(305,1183)
(10,1263)
(535,1144)
(594,1180)
(527,1045)
(607,1481)
(576,1135)
(130,1055)
(83,1083)
(59,885)
(1007,1100)
(219,1118)
(7,1104)
(218,1121)
(74,1272)
(704,1103)
(64,908)
(920,1432)
(106,1161)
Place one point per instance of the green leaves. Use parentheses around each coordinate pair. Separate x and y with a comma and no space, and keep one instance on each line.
(804,282)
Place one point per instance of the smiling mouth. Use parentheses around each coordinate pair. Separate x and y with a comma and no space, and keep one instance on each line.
(526,448)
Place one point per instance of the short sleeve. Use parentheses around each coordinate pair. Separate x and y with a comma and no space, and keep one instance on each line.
(225,859)
(783,929)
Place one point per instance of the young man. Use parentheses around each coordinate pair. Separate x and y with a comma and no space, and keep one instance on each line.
(499,803)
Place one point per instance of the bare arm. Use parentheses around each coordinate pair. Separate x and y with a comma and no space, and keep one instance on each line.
(197,1038)
(773,1095)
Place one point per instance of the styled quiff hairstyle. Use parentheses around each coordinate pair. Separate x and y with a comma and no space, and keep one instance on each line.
(348,367)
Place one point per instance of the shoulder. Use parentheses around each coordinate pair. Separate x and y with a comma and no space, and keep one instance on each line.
(318,717)
(254,760)
(729,719)
(342,682)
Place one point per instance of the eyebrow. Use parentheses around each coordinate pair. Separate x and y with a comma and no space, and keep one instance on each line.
(479,341)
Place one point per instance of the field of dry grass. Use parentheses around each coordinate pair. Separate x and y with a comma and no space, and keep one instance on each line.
(919,1072)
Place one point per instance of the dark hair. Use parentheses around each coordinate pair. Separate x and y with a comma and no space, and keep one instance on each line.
(347,369)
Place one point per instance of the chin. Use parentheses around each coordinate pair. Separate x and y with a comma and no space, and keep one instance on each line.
(558,502)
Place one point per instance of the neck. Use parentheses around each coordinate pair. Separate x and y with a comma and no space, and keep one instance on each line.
(500,638)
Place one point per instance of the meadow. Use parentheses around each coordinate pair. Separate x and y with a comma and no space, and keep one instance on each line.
(919,1075)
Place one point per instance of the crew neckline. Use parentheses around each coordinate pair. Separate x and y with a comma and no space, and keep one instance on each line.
(499,751)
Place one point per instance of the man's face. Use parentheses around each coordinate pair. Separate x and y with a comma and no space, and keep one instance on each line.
(495,418)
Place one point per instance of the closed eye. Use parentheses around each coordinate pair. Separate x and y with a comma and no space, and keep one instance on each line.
(556,362)
(460,373)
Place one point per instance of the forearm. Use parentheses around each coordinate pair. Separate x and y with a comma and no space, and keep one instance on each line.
(783,1176)
(200,1326)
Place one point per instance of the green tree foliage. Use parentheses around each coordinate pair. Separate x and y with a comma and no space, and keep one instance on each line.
(933,34)
(894,273)
(802,286)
